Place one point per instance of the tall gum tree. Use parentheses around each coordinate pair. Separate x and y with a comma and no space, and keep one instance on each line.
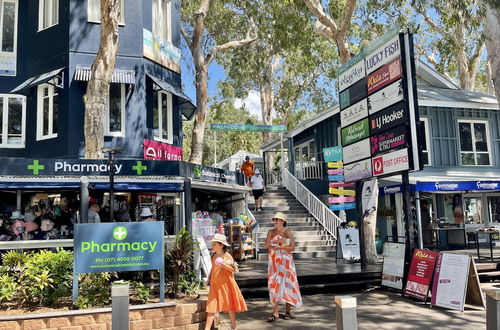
(205,45)
(97,94)
(492,28)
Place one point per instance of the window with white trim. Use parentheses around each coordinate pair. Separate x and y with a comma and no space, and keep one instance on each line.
(115,112)
(161,19)
(48,13)
(94,11)
(8,32)
(162,117)
(12,121)
(474,142)
(305,151)
(426,154)
(47,112)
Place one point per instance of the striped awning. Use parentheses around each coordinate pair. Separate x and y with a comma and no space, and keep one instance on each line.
(119,76)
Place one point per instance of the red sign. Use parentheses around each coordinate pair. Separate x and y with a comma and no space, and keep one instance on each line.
(392,162)
(340,184)
(385,75)
(161,151)
(420,274)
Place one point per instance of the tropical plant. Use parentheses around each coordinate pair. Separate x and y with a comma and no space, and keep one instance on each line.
(95,290)
(189,283)
(179,259)
(7,288)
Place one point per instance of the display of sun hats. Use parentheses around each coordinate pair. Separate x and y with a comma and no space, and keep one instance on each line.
(64,203)
(281,216)
(29,215)
(257,171)
(17,215)
(219,238)
(146,212)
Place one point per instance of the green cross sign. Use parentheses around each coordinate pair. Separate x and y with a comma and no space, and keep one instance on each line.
(120,233)
(35,167)
(138,167)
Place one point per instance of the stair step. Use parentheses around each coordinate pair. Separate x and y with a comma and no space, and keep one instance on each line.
(269,224)
(304,255)
(310,238)
(307,243)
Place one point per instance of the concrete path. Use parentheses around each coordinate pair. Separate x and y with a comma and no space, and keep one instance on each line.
(377,309)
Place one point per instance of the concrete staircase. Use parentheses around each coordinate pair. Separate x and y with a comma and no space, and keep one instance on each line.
(310,238)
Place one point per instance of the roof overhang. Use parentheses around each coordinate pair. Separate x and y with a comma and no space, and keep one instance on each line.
(55,78)
(119,76)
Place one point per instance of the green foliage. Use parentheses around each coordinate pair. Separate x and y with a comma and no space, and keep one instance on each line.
(142,291)
(7,287)
(13,259)
(189,283)
(179,259)
(95,290)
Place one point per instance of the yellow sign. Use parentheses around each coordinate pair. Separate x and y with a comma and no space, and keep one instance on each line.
(345,192)
(335,164)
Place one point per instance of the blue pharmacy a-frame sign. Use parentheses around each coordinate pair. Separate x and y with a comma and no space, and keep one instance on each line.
(118,247)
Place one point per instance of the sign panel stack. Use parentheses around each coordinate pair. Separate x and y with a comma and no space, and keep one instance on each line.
(343,199)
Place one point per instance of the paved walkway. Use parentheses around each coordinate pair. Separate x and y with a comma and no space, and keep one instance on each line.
(377,309)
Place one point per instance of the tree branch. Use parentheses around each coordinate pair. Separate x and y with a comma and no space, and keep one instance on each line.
(475,59)
(434,25)
(228,45)
(346,19)
(187,39)
(323,19)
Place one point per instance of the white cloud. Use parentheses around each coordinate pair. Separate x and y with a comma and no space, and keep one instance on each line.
(251,103)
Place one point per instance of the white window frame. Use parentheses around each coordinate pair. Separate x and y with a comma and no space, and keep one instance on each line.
(52,20)
(170,125)
(427,140)
(5,122)
(121,133)
(487,127)
(39,111)
(159,16)
(14,52)
(307,143)
(92,11)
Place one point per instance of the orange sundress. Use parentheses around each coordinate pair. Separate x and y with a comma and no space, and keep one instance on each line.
(224,294)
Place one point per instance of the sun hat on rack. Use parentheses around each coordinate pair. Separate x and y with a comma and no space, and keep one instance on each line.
(280,215)
(146,212)
(220,238)
(17,215)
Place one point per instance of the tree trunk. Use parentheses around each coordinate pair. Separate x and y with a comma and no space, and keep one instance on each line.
(97,95)
(201,115)
(491,28)
(369,227)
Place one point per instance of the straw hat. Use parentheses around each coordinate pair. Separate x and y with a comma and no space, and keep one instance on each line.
(219,238)
(146,212)
(281,216)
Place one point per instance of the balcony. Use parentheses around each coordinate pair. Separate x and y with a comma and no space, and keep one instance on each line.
(310,169)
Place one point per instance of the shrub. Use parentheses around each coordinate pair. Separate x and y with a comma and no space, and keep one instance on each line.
(7,288)
(142,291)
(95,290)
(189,283)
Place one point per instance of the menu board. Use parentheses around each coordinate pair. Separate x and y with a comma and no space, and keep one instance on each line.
(378,109)
(420,274)
(349,243)
(450,281)
(393,266)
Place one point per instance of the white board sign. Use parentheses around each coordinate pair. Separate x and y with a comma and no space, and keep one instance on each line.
(393,266)
(349,243)
(206,262)
(450,281)
(354,113)
(356,151)
(385,97)
(390,50)
(358,170)
(392,162)
(352,75)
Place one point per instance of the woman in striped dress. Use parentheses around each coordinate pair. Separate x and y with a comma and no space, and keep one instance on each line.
(282,276)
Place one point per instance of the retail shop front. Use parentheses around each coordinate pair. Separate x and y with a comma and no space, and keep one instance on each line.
(460,201)
(43,195)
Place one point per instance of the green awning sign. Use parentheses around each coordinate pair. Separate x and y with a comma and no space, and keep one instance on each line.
(248,128)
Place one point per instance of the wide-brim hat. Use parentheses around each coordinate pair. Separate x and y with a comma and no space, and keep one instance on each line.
(280,215)
(257,171)
(220,238)
(17,215)
(146,212)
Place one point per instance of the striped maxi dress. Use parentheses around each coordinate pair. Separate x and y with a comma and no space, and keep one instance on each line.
(282,278)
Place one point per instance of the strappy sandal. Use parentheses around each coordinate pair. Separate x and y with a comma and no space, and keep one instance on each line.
(288,316)
(272,318)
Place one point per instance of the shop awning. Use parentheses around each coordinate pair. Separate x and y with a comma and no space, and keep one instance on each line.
(218,186)
(57,75)
(437,179)
(119,76)
(188,109)
(137,186)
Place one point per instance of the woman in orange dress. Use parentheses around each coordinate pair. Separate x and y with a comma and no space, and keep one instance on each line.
(224,295)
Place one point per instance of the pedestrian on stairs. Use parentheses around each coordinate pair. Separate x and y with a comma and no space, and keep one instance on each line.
(258,189)
(282,276)
(247,168)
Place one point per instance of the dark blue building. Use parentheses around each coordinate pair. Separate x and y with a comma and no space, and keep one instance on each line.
(47,49)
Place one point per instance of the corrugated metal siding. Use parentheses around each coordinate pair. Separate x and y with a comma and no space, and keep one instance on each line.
(119,76)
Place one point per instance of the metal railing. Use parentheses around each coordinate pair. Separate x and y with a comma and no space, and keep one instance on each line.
(273,178)
(57,243)
(329,220)
(309,169)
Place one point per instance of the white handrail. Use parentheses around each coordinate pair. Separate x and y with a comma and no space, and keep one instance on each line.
(329,220)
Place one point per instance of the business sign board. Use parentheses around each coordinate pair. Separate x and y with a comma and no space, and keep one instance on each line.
(392,162)
(358,170)
(353,94)
(341,207)
(342,199)
(356,151)
(161,51)
(385,97)
(248,128)
(118,247)
(154,150)
(389,102)
(345,192)
(340,184)
(458,186)
(355,132)
(390,140)
(335,165)
(387,74)
(336,177)
(420,274)
(333,154)
(349,243)
(335,171)
(354,113)
(393,265)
